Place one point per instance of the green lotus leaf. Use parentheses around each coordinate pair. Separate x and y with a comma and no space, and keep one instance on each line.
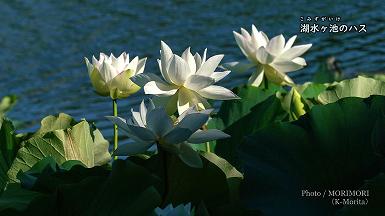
(293,104)
(8,150)
(216,183)
(232,110)
(361,87)
(328,148)
(17,198)
(261,115)
(375,205)
(52,123)
(73,143)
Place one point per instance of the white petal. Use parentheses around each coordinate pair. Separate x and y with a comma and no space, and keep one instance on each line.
(193,121)
(141,66)
(290,42)
(168,102)
(143,78)
(158,88)
(137,119)
(143,112)
(198,60)
(165,57)
(108,72)
(259,38)
(217,76)
(132,148)
(177,135)
(257,77)
(188,98)
(276,45)
(95,62)
(245,34)
(188,111)
(189,58)
(202,136)
(239,67)
(217,93)
(97,80)
(286,66)
(114,61)
(197,82)
(276,76)
(241,43)
(263,56)
(210,65)
(90,67)
(189,156)
(300,61)
(265,36)
(151,105)
(159,122)
(295,51)
(133,65)
(142,133)
(178,70)
(204,56)
(120,122)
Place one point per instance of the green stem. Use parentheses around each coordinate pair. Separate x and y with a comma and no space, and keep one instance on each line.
(207,147)
(115,113)
(265,82)
(207,144)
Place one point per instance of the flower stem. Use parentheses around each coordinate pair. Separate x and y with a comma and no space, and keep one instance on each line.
(207,144)
(164,157)
(265,82)
(207,147)
(115,113)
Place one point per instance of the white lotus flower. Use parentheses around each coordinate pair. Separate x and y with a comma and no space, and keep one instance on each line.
(110,76)
(272,58)
(187,80)
(152,126)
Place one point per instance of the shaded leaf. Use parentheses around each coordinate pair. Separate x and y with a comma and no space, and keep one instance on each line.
(232,110)
(8,149)
(16,197)
(262,115)
(327,148)
(216,184)
(375,200)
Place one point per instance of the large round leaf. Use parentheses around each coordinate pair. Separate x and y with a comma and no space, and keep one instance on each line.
(362,87)
(232,110)
(126,190)
(73,143)
(261,115)
(326,149)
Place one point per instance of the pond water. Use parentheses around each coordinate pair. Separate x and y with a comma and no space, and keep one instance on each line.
(43,43)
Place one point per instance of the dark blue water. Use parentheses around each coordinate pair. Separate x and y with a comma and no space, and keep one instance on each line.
(42,44)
